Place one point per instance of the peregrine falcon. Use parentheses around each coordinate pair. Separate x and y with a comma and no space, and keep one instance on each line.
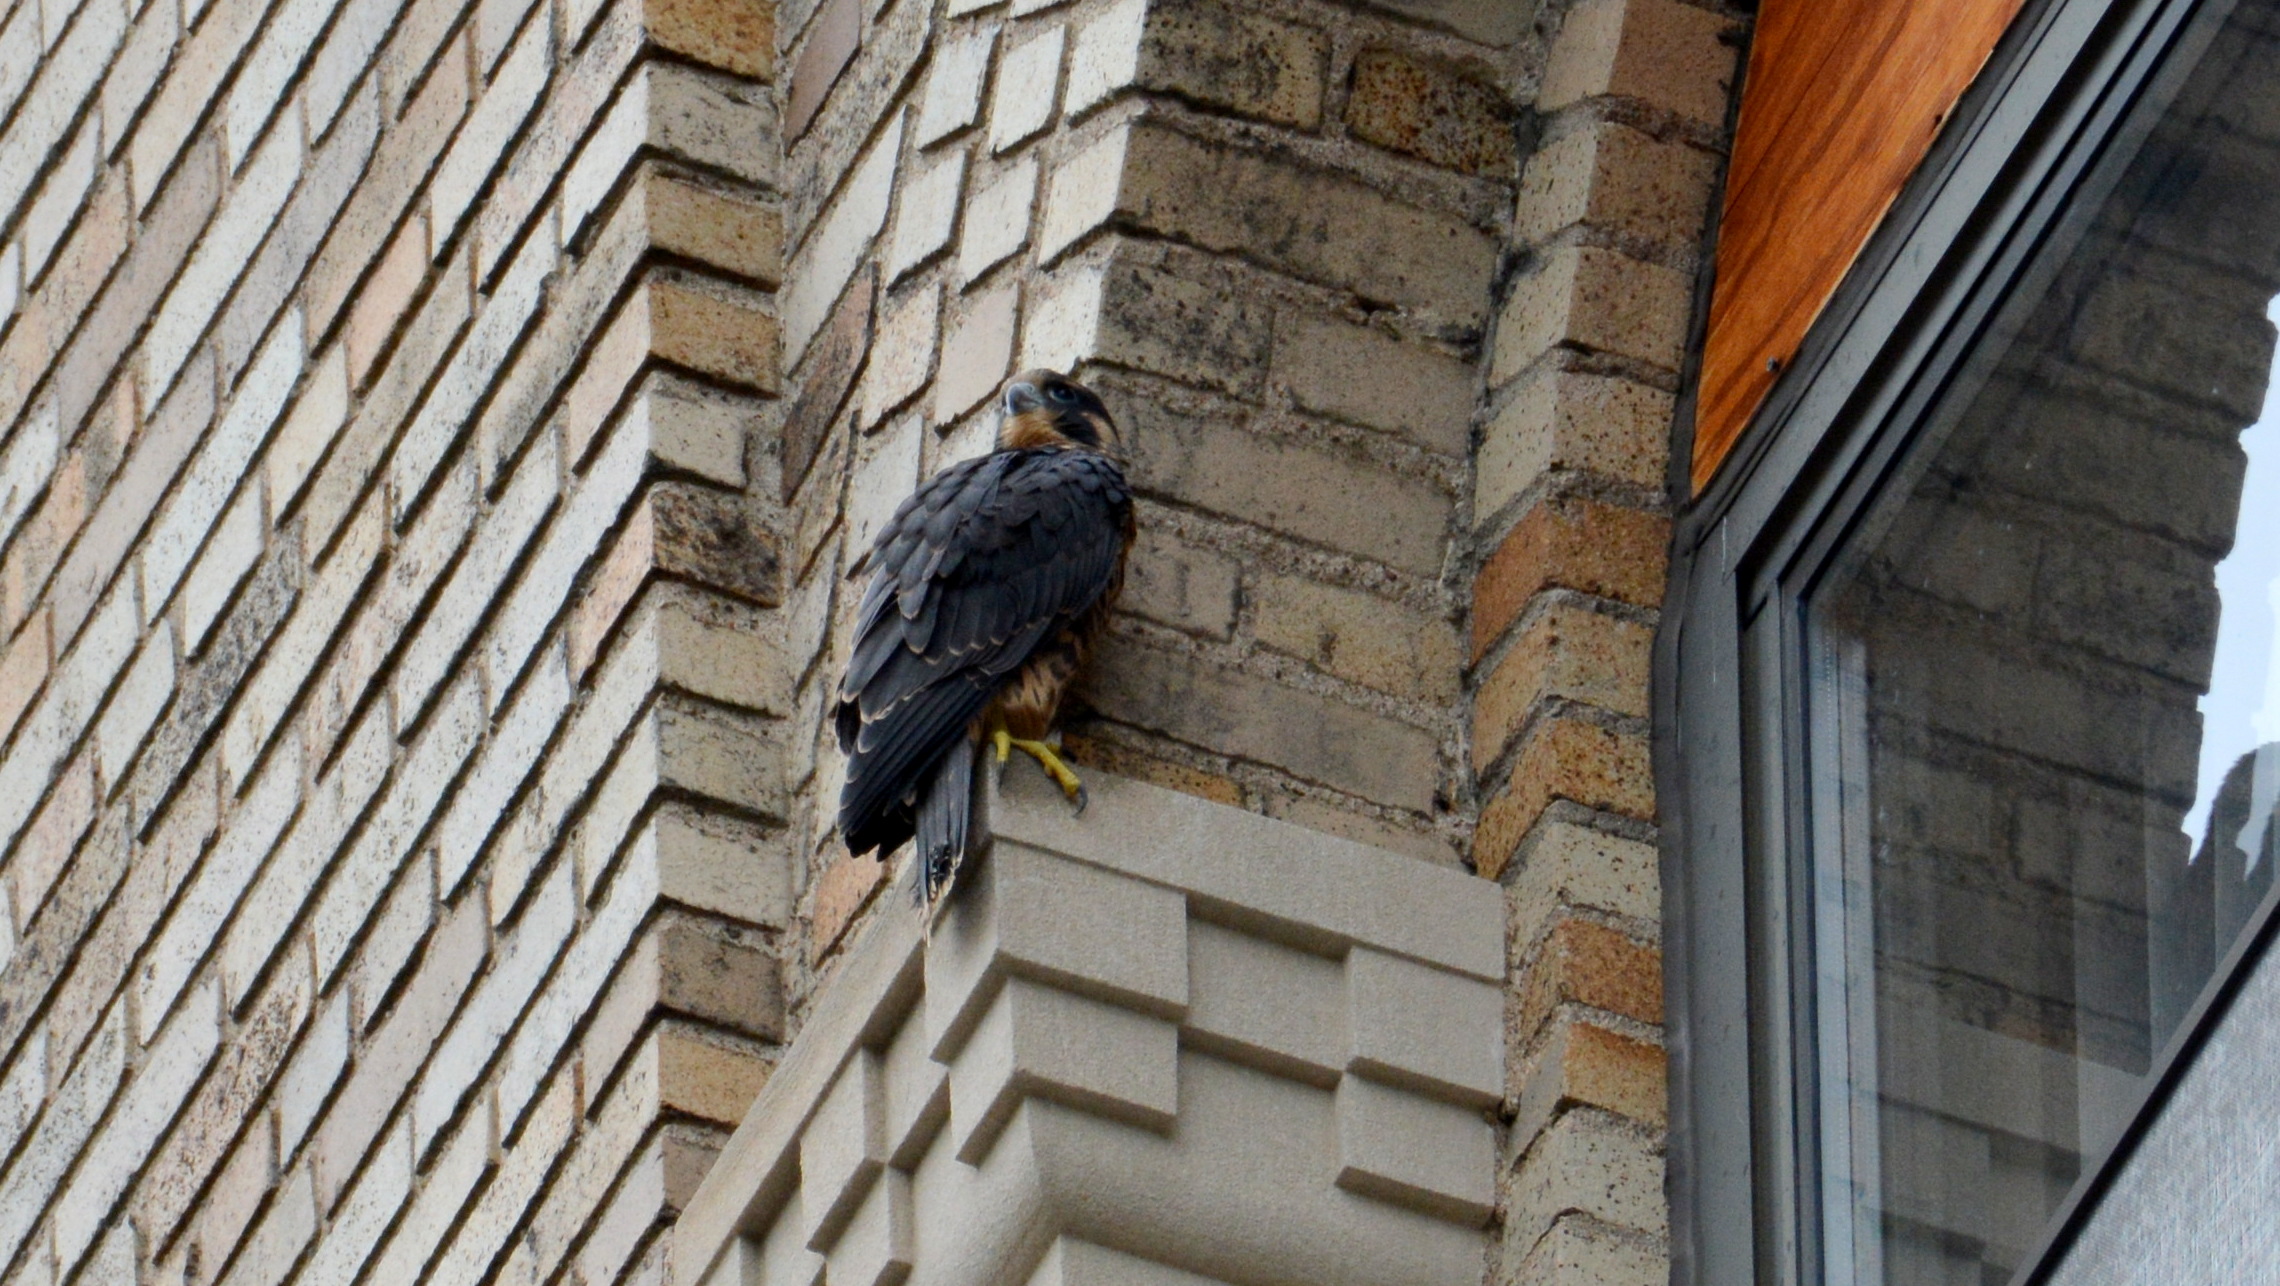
(987,589)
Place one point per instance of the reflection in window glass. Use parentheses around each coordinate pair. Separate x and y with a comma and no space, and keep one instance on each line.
(2045,710)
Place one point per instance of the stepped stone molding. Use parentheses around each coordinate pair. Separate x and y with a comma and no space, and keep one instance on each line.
(1169,1027)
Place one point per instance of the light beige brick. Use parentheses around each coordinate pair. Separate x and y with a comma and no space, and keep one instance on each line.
(386,298)
(828,259)
(134,706)
(506,102)
(285,1228)
(170,1068)
(977,350)
(1179,584)
(64,1127)
(1081,195)
(1591,1162)
(902,353)
(1668,54)
(466,1258)
(443,1190)
(237,230)
(509,754)
(1367,377)
(450,1068)
(996,221)
(953,96)
(69,75)
(1105,55)
(1316,225)
(286,34)
(1616,179)
(312,1075)
(49,215)
(1561,420)
(1596,300)
(1574,1253)
(1359,637)
(1028,89)
(1310,736)
(926,214)
(213,476)
(230,553)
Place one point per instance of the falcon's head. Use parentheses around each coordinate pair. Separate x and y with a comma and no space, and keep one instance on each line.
(1047,408)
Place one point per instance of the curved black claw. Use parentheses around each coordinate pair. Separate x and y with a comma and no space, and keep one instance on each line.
(1079,798)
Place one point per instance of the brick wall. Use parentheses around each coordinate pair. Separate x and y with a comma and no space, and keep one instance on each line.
(439,440)
(395,856)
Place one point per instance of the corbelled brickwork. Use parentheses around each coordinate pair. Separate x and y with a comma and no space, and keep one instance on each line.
(395,862)
(439,440)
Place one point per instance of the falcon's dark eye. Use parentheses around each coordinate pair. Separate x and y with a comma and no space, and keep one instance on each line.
(1063,394)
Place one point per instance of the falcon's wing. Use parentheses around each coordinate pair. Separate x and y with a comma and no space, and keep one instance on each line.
(980,566)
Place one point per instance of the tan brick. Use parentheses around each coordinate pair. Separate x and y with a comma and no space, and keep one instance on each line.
(736,35)
(1366,377)
(707,1078)
(843,889)
(23,667)
(1249,717)
(1566,653)
(1666,53)
(386,298)
(1331,819)
(1245,62)
(1430,111)
(1571,865)
(830,375)
(1221,463)
(1564,758)
(1595,1164)
(718,336)
(716,539)
(1570,544)
(1181,585)
(1583,1063)
(1578,1251)
(832,38)
(1589,964)
(229,1203)
(409,148)
(1563,420)
(728,232)
(1595,300)
(1357,636)
(1310,223)
(622,573)
(1615,178)
(977,350)
(578,92)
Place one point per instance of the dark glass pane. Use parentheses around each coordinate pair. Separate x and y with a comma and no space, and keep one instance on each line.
(2045,708)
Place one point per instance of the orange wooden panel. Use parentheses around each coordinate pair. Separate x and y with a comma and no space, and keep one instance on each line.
(1842,102)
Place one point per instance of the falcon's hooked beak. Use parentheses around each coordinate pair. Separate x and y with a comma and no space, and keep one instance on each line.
(1047,408)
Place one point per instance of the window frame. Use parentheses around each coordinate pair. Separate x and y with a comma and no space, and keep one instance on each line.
(2073,86)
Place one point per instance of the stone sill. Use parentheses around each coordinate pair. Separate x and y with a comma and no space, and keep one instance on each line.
(1166,1042)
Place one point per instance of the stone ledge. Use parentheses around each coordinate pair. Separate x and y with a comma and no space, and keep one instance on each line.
(1233,1047)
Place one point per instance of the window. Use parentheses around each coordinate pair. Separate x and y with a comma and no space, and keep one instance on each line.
(1976,686)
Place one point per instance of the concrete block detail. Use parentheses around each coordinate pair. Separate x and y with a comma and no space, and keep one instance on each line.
(1167,1023)
(1416,1152)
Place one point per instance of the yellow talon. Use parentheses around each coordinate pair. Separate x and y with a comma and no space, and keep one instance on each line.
(1003,740)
